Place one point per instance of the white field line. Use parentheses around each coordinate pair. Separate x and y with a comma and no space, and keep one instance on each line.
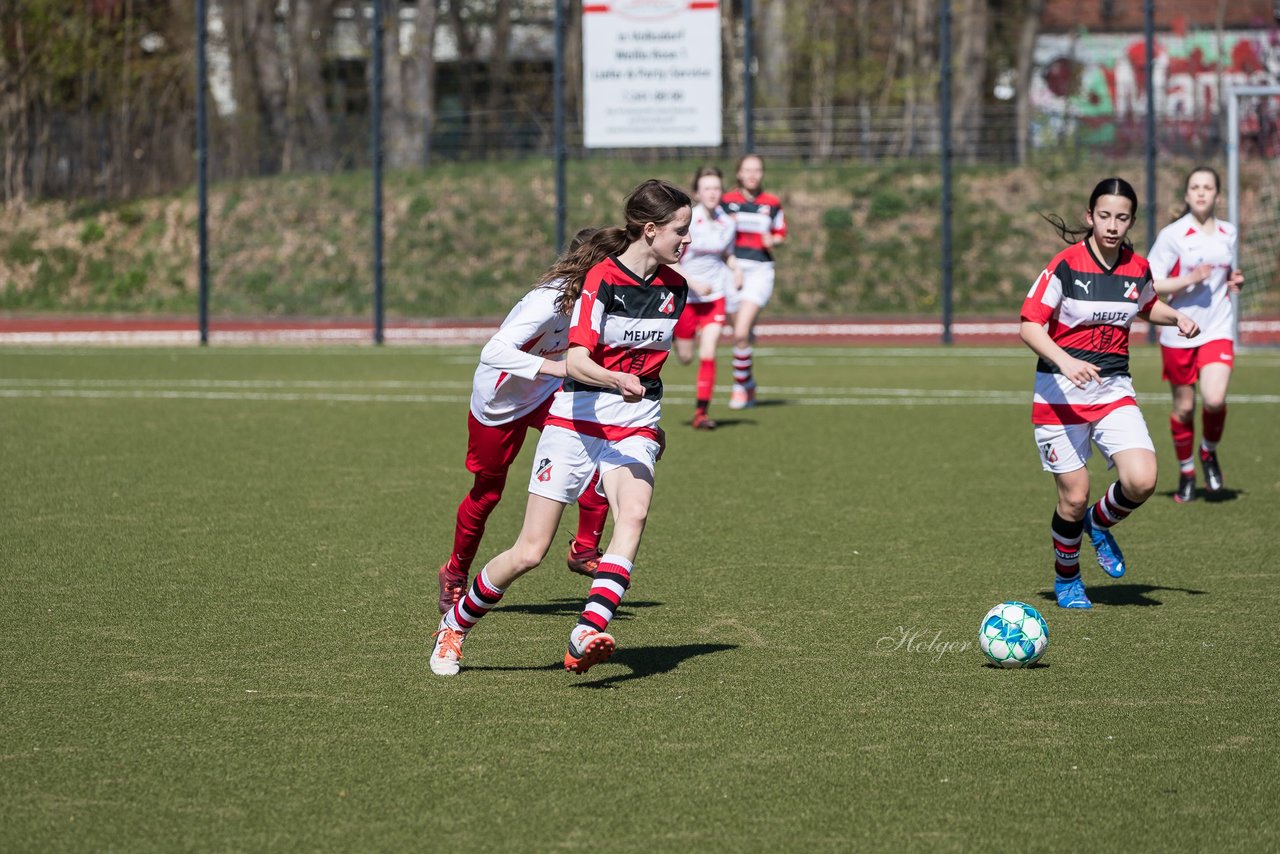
(311,391)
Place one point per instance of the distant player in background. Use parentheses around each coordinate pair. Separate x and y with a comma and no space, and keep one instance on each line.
(761,228)
(1193,262)
(1076,318)
(604,418)
(520,370)
(711,271)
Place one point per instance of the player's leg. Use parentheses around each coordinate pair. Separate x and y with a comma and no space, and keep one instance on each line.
(744,382)
(1064,451)
(686,327)
(584,548)
(490,452)
(1179,371)
(1214,379)
(709,338)
(627,477)
(541,519)
(1123,439)
(561,470)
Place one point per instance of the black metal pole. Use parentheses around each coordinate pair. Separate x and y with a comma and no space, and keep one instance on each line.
(376,146)
(1149,34)
(944,120)
(748,79)
(561,154)
(202,167)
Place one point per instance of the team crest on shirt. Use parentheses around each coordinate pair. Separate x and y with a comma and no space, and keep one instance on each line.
(1050,455)
(543,472)
(668,304)
(1131,292)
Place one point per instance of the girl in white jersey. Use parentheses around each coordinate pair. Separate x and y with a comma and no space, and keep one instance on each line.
(604,418)
(520,369)
(711,271)
(1193,262)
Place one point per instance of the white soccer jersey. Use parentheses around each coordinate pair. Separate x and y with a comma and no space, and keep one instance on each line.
(1182,246)
(711,238)
(507,384)
(628,324)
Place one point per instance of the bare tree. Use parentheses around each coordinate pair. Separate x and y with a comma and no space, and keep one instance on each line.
(1027,32)
(969,74)
(309,139)
(420,82)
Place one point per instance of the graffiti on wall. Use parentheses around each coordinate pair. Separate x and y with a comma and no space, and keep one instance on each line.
(1093,88)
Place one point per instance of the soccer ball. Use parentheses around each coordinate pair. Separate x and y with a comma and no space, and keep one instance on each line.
(1013,634)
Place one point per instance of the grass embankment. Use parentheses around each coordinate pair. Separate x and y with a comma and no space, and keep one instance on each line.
(464,240)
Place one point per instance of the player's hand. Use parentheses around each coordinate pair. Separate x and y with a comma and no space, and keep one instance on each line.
(1187,327)
(737,279)
(662,444)
(1235,281)
(1199,273)
(1080,372)
(631,387)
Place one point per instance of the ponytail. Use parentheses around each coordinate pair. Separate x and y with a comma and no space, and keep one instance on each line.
(569,272)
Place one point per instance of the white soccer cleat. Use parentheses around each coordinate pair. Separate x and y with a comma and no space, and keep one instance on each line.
(447,651)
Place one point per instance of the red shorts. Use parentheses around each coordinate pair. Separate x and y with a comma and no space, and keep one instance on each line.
(1182,365)
(492,450)
(697,315)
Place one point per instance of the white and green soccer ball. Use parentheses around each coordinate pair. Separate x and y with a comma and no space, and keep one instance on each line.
(1013,634)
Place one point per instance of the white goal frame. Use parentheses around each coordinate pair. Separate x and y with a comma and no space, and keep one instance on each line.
(1233,96)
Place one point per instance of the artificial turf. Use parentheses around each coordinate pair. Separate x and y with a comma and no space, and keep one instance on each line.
(219,581)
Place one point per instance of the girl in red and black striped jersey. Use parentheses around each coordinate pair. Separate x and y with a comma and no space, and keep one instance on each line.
(761,228)
(604,418)
(1076,318)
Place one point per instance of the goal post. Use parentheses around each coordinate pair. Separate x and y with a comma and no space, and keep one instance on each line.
(1255,167)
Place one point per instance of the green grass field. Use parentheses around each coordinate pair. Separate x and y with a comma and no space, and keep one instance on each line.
(219,578)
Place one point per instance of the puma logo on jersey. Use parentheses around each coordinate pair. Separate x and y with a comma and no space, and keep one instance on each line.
(1084,286)
(620,301)
(668,304)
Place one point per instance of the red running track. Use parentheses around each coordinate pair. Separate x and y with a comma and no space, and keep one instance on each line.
(54,330)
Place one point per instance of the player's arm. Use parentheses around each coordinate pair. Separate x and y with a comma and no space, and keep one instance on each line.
(1164,261)
(698,286)
(1171,285)
(580,367)
(1163,314)
(1035,336)
(507,350)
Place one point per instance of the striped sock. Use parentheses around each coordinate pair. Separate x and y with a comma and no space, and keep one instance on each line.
(480,599)
(742,366)
(1114,506)
(1066,546)
(607,589)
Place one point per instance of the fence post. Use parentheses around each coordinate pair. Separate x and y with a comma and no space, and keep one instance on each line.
(376,150)
(202,168)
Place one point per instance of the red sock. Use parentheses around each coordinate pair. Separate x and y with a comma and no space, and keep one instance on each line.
(473,512)
(1213,423)
(706,378)
(1184,437)
(593,509)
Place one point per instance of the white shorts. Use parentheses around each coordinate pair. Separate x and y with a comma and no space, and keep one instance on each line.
(757,285)
(1065,447)
(565,461)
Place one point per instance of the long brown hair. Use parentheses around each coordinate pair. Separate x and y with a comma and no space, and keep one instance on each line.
(652,201)
(1105,187)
